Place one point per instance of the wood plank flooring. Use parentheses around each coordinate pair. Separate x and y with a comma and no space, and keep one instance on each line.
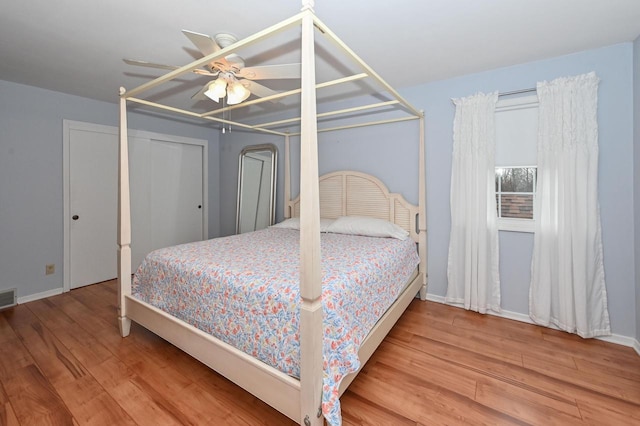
(62,361)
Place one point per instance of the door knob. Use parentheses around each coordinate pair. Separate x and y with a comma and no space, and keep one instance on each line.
(200,206)
(75,217)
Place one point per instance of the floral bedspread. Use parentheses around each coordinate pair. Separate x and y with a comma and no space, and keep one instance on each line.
(244,290)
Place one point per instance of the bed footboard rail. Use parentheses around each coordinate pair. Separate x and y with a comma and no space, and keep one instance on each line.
(265,382)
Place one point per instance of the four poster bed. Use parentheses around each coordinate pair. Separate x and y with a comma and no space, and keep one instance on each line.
(359,294)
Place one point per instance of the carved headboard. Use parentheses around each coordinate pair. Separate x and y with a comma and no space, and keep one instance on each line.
(349,193)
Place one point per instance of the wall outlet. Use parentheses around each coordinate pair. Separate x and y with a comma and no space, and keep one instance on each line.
(50,269)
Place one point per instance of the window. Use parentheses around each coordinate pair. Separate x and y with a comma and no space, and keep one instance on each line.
(515,192)
(516,172)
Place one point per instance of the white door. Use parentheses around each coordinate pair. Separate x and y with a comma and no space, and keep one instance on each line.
(93,207)
(140,197)
(168,183)
(176,193)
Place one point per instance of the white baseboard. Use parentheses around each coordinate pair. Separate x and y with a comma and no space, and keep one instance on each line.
(38,296)
(517,316)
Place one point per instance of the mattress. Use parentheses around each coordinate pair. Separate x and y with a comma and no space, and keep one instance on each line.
(244,290)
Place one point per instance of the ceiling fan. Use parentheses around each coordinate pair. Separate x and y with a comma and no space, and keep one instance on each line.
(234,80)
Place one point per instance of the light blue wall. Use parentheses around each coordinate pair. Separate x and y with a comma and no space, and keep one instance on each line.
(614,67)
(383,151)
(31,224)
(31,173)
(636,167)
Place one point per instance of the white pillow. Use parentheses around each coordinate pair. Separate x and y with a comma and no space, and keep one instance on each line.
(367,226)
(294,223)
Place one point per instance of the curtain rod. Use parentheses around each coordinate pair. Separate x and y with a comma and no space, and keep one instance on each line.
(517,92)
(513,92)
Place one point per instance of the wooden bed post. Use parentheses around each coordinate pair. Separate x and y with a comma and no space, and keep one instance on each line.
(422,217)
(422,203)
(311,332)
(287,177)
(124,221)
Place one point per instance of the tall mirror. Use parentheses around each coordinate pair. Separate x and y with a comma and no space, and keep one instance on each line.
(256,188)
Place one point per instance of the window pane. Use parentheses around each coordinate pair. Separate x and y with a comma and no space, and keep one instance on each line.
(518,179)
(519,206)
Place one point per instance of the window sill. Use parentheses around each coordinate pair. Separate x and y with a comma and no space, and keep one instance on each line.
(516,225)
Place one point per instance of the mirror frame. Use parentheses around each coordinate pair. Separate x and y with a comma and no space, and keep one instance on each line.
(274,172)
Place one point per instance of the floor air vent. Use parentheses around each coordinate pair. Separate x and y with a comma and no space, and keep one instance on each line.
(8,298)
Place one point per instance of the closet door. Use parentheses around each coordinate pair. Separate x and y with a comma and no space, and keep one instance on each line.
(176,193)
(139,175)
(91,220)
(168,183)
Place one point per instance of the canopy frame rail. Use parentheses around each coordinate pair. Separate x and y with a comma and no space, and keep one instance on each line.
(331,113)
(351,54)
(295,20)
(196,115)
(368,123)
(286,94)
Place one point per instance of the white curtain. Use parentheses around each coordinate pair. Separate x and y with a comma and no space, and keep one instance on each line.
(567,272)
(473,246)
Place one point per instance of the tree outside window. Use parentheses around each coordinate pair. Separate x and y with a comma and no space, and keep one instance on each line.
(515,192)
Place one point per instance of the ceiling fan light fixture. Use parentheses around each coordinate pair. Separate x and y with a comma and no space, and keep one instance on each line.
(237,93)
(217,90)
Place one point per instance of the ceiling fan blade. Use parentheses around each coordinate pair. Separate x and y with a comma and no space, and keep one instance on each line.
(166,67)
(149,64)
(206,45)
(270,72)
(199,95)
(258,89)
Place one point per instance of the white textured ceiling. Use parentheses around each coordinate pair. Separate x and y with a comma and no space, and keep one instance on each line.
(77,46)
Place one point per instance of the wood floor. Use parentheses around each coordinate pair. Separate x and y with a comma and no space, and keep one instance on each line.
(63,362)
